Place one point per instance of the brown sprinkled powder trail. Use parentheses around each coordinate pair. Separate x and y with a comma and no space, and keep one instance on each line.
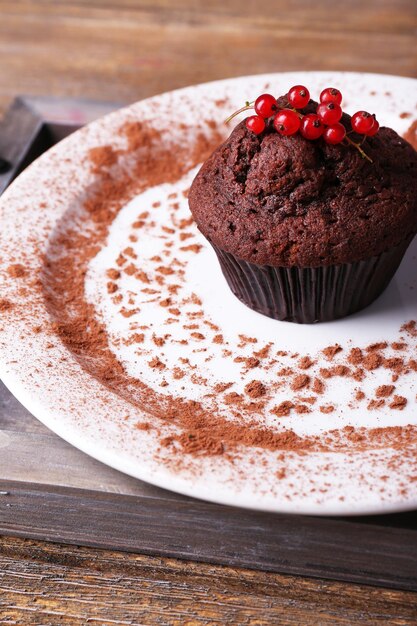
(200,430)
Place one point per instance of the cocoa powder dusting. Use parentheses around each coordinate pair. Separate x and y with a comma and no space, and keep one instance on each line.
(300,381)
(199,431)
(384,391)
(5,305)
(331,351)
(255,389)
(398,402)
(17,270)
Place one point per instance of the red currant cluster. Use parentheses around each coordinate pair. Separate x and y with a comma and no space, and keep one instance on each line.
(325,122)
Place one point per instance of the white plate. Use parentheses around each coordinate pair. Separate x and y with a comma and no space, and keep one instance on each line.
(46,377)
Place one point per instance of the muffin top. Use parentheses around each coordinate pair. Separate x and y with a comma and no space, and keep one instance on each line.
(289,201)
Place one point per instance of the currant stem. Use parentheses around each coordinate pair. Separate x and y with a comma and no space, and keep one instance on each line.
(245,108)
(357,146)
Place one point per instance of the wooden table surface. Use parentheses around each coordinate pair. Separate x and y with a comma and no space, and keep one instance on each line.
(124,51)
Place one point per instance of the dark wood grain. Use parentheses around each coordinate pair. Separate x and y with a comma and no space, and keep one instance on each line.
(135,48)
(201,531)
(41,583)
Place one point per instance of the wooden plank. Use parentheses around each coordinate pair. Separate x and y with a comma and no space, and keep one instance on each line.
(42,583)
(200,531)
(137,48)
(60,464)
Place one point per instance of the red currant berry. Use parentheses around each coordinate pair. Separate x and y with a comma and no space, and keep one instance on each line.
(334,134)
(286,122)
(362,122)
(329,113)
(330,94)
(374,129)
(311,126)
(265,105)
(298,96)
(255,123)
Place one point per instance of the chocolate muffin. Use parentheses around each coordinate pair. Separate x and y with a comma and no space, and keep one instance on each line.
(305,231)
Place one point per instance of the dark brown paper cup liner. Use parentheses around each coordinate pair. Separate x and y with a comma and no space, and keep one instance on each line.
(310,294)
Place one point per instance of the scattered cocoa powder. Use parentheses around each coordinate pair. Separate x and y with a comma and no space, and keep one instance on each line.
(136,338)
(193,247)
(398,345)
(375,347)
(372,361)
(17,270)
(398,402)
(375,404)
(102,157)
(156,363)
(111,287)
(318,386)
(283,409)
(220,387)
(263,353)
(305,363)
(410,328)
(113,274)
(300,381)
(355,356)
(329,408)
(301,409)
(383,391)
(5,305)
(331,351)
(255,389)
